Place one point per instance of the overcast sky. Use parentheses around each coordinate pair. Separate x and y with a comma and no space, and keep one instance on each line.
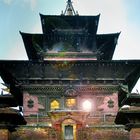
(116,16)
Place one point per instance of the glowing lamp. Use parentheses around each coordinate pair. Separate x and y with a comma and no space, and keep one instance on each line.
(50,125)
(87,105)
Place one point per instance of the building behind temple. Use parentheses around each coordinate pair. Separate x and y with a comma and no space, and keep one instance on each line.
(70,88)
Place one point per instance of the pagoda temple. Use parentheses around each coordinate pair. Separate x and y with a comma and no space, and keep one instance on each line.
(70,88)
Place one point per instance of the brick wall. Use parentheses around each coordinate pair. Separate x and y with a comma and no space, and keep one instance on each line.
(31,104)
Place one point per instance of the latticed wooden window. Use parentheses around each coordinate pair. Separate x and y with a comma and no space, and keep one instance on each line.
(55,105)
(70,102)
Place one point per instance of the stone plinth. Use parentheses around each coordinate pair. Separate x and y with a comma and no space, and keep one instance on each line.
(103,132)
(4,134)
(135,134)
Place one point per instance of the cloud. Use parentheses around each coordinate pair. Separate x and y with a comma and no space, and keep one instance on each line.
(32,3)
(37,28)
(113,16)
(19,46)
(17,52)
(8,2)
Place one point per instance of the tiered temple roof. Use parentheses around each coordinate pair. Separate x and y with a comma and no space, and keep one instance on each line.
(76,36)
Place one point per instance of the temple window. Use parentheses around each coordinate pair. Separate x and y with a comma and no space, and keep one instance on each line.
(55,105)
(71,103)
(30,103)
(110,103)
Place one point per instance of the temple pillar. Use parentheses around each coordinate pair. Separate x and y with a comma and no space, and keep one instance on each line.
(4,134)
(135,134)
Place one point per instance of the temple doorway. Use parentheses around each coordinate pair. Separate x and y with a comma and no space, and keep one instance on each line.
(69,129)
(68,132)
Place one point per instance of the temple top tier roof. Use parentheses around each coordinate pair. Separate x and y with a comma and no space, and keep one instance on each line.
(69,24)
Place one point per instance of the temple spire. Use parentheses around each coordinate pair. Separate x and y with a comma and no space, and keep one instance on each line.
(69,11)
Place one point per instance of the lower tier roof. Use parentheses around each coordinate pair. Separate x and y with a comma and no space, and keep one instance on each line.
(16,72)
(10,118)
(8,101)
(129,117)
(131,99)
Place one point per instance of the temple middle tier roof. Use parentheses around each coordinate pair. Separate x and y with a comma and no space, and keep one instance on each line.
(69,47)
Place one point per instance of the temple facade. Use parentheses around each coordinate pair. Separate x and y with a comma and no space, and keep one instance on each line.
(70,88)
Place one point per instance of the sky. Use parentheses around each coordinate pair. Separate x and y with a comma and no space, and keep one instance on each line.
(115,16)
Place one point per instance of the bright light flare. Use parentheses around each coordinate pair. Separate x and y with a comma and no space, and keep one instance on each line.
(87,105)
